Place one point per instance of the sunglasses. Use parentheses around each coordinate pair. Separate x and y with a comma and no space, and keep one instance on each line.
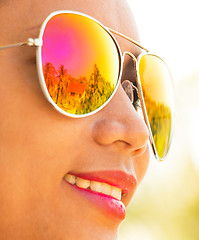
(80,64)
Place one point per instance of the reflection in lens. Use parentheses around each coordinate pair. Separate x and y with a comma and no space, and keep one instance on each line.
(157,91)
(80,63)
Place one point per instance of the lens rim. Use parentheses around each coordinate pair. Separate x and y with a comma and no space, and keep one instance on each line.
(40,70)
(144,111)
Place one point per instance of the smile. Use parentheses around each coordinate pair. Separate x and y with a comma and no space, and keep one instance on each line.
(106,191)
(99,187)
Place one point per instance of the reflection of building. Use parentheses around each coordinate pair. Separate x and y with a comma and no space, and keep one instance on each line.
(76,90)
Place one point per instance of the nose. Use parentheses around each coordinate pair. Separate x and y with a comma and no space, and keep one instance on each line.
(119,124)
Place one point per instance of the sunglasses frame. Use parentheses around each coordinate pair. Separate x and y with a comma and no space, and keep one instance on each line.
(141,97)
(38,42)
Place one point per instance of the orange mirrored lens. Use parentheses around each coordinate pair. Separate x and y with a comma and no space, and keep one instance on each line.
(157,91)
(81,63)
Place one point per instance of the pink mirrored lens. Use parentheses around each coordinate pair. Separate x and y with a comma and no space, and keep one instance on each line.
(81,63)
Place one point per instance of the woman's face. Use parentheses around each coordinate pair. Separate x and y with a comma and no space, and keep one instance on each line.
(39,146)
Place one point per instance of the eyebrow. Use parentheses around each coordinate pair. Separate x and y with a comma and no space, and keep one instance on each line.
(33,28)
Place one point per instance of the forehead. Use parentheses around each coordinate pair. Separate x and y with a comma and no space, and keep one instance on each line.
(23,20)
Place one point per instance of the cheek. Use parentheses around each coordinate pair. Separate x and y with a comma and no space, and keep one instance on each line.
(32,130)
(141,165)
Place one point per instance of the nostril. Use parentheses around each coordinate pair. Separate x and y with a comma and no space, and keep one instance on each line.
(140,151)
(119,125)
(108,131)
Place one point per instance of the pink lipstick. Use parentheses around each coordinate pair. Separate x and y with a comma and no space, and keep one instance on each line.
(105,189)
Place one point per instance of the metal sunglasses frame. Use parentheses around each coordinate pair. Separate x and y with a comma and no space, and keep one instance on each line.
(37,42)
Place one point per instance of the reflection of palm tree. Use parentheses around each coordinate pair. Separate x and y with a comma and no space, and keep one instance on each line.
(97,92)
(50,75)
(97,89)
(62,73)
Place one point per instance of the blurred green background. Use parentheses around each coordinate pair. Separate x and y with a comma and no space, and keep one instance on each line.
(166,204)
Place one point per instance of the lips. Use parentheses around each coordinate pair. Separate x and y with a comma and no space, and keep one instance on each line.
(106,189)
(99,187)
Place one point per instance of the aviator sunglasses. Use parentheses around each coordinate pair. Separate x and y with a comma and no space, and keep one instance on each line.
(80,65)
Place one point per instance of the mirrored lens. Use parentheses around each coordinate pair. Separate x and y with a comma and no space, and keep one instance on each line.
(81,63)
(157,91)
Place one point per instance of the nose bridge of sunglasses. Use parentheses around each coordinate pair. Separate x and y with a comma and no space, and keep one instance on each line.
(131,55)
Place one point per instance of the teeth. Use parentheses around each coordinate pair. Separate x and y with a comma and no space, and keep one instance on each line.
(82,183)
(106,189)
(95,186)
(116,192)
(70,178)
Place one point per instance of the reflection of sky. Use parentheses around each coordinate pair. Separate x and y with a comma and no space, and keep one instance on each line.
(79,46)
(153,69)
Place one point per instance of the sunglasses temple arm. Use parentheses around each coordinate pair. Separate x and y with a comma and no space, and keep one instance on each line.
(13,45)
(128,38)
(30,42)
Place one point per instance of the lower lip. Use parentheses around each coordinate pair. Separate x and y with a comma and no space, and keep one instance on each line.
(107,204)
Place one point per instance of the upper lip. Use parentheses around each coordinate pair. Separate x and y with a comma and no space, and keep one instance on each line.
(120,179)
